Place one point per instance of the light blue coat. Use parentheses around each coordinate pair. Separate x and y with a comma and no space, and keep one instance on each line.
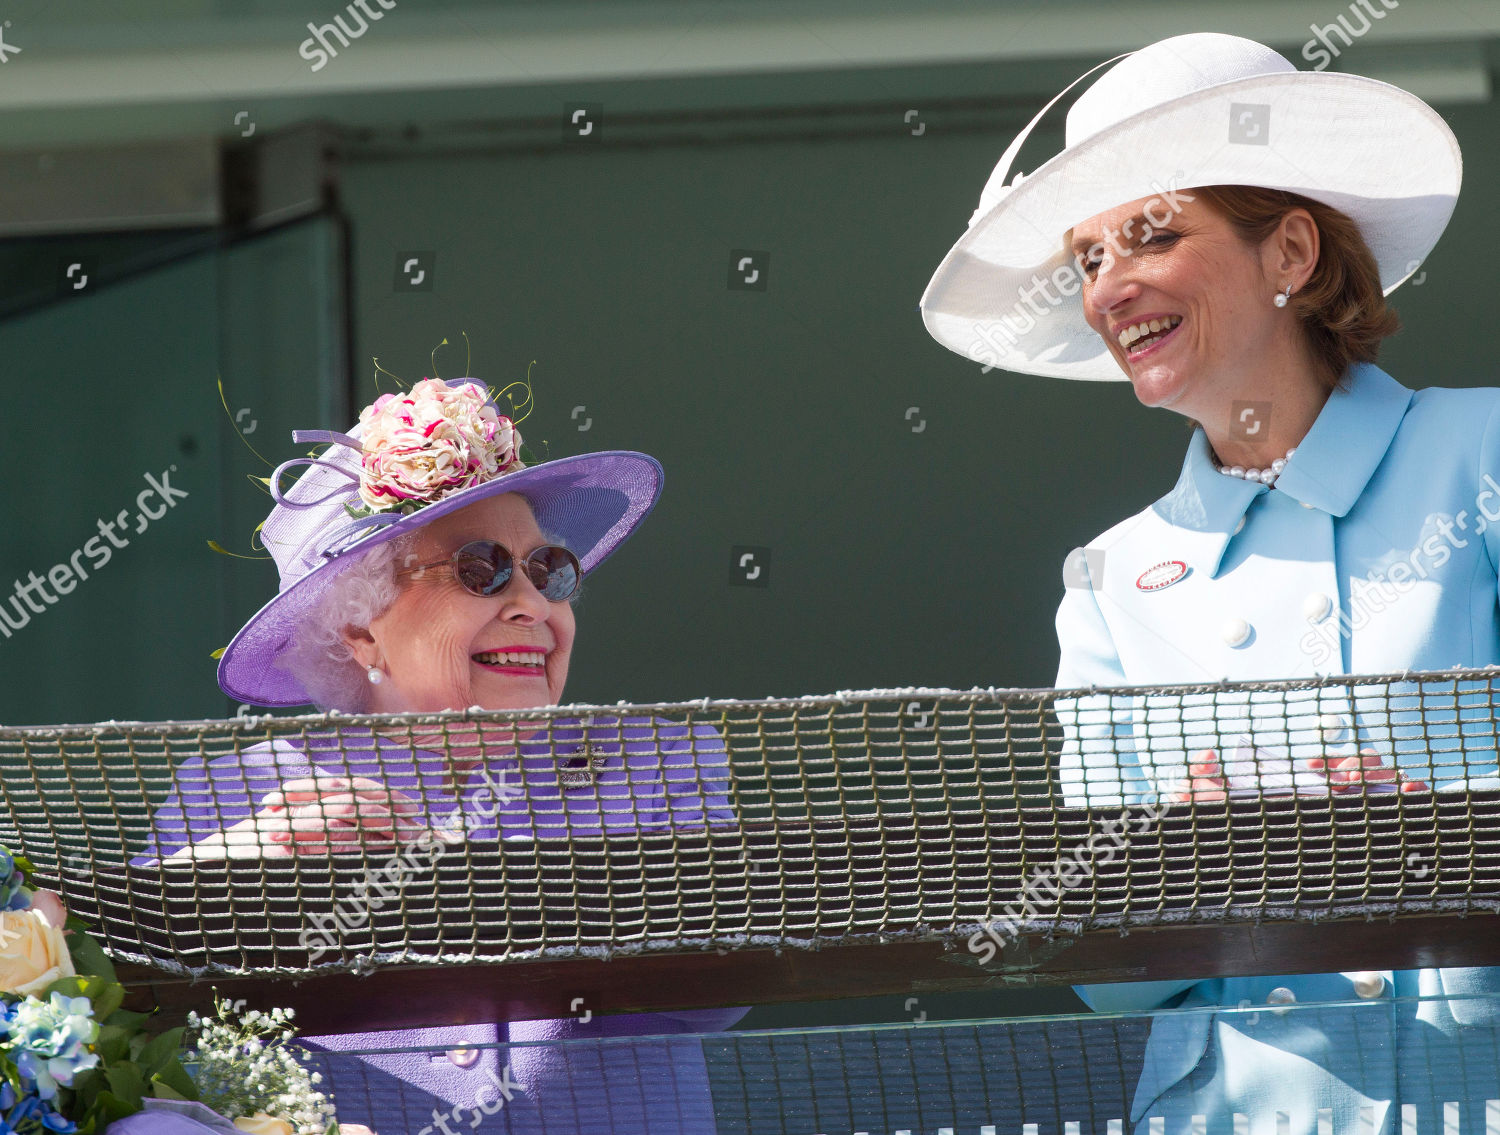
(1376,552)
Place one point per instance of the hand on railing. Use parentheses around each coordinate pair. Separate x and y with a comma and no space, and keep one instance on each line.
(317,815)
(1349,774)
(321,815)
(1208,783)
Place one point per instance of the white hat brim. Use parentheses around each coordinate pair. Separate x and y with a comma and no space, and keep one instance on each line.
(1371,150)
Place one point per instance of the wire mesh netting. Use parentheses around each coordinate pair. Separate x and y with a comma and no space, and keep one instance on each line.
(292,845)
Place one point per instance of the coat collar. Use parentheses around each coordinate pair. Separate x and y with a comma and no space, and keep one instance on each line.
(1330,469)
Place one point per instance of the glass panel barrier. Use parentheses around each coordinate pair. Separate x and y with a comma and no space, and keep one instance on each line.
(1394,1064)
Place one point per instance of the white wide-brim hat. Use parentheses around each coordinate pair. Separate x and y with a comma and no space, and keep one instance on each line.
(1193,110)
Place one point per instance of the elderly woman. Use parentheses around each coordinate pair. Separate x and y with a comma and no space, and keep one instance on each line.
(423,568)
(1220,230)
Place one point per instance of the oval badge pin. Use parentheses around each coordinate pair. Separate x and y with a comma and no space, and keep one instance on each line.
(1164,574)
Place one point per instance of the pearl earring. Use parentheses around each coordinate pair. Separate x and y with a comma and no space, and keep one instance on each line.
(1280,298)
(375,675)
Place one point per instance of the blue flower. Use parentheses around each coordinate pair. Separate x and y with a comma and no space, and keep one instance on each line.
(50,1040)
(17,1109)
(13,893)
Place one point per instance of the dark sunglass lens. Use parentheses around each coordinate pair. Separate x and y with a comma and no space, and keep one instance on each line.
(553,571)
(482,567)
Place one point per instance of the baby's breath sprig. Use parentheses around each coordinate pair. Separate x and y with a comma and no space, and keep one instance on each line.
(244,1066)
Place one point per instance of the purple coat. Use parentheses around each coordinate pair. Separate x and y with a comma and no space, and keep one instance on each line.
(652,774)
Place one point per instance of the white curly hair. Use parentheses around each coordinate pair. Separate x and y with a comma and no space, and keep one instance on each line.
(318,655)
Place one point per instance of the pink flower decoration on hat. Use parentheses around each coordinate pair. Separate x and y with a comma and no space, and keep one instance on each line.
(432,441)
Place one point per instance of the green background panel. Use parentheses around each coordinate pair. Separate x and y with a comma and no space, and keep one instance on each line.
(109,386)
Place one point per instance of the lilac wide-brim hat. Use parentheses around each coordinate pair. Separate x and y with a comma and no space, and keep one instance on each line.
(592,502)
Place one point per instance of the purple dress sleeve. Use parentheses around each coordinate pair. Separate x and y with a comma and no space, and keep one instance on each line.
(173,1117)
(214,796)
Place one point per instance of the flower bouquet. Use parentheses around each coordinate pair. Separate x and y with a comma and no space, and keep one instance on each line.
(244,1068)
(73,1060)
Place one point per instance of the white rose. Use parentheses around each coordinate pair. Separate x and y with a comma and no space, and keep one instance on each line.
(33,953)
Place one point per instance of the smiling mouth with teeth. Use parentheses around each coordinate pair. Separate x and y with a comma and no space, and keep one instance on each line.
(1139,336)
(527,661)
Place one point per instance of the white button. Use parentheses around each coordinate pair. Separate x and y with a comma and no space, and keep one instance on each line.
(1236,632)
(1333,727)
(1306,504)
(1368,984)
(1281,995)
(1316,606)
(1240,525)
(463,1057)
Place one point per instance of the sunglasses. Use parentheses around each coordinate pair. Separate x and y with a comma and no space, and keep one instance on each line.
(483,567)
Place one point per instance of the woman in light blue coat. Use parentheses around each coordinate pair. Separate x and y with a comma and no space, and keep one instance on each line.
(1221,231)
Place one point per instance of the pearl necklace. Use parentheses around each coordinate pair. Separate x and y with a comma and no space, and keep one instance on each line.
(1266,477)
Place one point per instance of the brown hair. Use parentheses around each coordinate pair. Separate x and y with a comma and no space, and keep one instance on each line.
(1341,306)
